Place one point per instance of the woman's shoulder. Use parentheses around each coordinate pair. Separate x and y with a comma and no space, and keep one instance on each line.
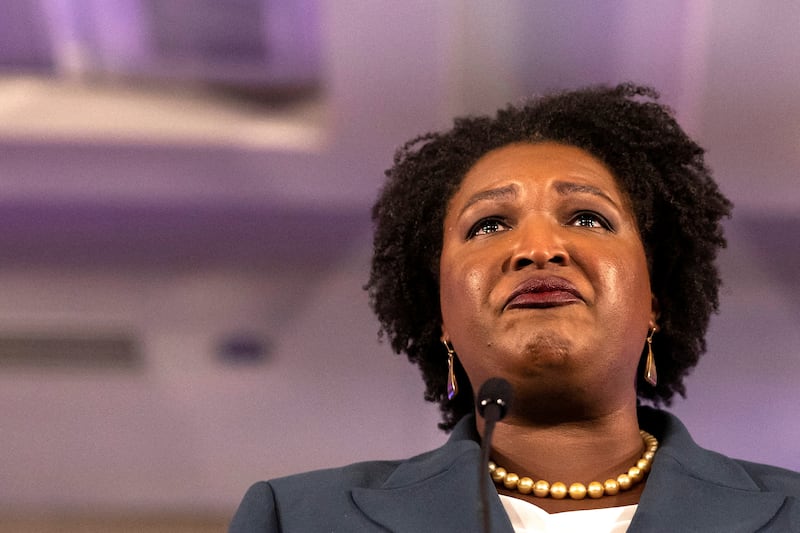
(773,478)
(316,495)
(324,497)
(361,474)
(678,445)
(372,474)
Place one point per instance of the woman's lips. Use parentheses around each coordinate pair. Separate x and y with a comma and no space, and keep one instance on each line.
(542,293)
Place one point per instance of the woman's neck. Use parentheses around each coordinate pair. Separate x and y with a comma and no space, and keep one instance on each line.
(580,451)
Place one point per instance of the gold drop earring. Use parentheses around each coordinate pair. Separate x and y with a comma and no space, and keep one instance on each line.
(650,373)
(452,384)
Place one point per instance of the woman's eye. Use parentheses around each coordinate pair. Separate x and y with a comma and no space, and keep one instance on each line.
(487,226)
(588,219)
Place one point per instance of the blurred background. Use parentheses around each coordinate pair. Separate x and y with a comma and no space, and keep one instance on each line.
(185,189)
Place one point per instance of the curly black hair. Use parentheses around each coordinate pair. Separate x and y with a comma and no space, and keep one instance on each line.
(677,204)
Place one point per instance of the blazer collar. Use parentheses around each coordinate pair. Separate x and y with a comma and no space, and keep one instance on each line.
(688,489)
(692,489)
(436,491)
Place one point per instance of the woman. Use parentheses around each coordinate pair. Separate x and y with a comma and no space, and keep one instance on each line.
(567,246)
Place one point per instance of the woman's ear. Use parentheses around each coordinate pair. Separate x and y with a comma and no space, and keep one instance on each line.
(445,336)
(655,311)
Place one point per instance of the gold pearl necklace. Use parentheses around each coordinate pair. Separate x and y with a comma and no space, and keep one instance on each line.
(578,491)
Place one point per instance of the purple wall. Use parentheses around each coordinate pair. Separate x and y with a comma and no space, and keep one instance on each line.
(114,220)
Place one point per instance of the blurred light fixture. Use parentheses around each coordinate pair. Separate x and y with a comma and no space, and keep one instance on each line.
(233,72)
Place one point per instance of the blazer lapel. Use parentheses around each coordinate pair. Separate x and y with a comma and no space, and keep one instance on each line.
(434,492)
(693,489)
(699,505)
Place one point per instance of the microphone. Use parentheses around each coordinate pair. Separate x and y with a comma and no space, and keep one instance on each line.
(493,402)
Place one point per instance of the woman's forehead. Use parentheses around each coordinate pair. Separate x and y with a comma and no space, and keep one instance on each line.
(568,168)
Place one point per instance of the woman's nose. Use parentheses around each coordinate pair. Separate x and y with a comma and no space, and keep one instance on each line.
(540,246)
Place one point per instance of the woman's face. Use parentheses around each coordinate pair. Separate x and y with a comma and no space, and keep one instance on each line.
(544,280)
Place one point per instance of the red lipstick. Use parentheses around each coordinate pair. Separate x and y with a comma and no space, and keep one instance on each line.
(538,293)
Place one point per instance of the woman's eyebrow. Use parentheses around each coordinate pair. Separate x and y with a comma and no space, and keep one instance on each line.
(569,187)
(499,193)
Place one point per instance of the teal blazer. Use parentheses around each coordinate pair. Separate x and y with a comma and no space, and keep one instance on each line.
(689,489)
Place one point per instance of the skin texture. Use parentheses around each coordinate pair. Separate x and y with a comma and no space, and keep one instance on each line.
(550,214)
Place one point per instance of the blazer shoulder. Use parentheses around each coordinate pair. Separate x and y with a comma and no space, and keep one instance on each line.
(311,501)
(323,499)
(363,474)
(374,474)
(773,478)
(256,512)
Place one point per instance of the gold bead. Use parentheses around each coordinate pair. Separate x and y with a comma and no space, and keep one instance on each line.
(611,487)
(541,488)
(595,489)
(558,490)
(525,485)
(577,491)
(511,480)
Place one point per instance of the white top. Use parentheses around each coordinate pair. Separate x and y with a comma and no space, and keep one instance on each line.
(528,518)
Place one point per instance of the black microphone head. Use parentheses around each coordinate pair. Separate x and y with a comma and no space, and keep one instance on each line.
(495,391)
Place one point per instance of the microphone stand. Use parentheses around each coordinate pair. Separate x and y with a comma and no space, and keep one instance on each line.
(494,400)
